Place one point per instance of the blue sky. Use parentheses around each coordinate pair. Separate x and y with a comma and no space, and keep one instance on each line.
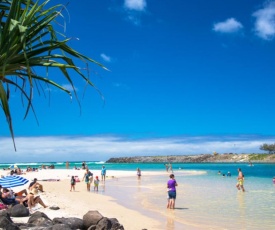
(185,77)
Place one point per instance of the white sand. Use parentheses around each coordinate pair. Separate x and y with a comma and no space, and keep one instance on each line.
(78,203)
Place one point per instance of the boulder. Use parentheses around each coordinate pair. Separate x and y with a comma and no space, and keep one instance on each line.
(6,224)
(19,210)
(72,222)
(115,224)
(104,224)
(32,227)
(40,219)
(62,227)
(91,218)
(6,214)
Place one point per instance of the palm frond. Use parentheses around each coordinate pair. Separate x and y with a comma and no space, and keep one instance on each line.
(28,40)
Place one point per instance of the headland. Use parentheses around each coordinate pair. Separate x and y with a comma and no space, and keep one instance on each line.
(201,158)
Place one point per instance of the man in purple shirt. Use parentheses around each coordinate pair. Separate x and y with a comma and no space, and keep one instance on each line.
(171,186)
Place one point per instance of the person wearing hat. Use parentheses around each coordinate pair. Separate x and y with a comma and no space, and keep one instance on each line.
(96,183)
(37,185)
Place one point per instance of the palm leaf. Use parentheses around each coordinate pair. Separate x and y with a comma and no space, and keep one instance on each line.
(29,40)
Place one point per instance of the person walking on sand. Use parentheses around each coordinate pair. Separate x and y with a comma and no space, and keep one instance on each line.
(103,173)
(171,186)
(96,183)
(240,179)
(87,176)
(72,183)
(138,173)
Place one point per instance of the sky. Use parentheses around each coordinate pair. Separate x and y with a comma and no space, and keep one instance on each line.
(185,77)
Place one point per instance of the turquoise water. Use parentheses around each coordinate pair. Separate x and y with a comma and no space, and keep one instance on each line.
(204,201)
(207,201)
(258,170)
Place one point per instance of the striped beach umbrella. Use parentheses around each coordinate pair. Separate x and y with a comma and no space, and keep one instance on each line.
(13,181)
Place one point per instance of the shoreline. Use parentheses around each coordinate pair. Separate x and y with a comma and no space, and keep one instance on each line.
(141,203)
(78,203)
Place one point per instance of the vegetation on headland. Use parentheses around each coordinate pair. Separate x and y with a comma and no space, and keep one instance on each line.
(201,158)
(270,148)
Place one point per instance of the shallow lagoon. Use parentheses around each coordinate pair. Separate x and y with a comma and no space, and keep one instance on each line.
(205,201)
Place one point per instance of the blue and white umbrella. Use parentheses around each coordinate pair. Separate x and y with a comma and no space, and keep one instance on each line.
(13,181)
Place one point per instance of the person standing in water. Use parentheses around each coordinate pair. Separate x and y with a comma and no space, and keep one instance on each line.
(171,186)
(103,173)
(240,179)
(87,176)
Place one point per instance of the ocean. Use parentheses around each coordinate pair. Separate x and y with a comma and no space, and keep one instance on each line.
(205,199)
(261,170)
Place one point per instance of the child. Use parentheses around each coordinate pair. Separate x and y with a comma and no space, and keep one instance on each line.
(72,183)
(96,183)
(168,200)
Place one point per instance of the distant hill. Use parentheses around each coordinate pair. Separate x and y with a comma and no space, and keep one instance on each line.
(202,158)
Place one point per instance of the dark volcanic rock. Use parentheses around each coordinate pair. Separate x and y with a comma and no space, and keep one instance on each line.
(104,224)
(19,210)
(6,224)
(91,218)
(72,222)
(40,219)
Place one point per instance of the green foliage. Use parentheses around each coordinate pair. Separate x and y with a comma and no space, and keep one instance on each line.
(268,147)
(256,157)
(28,40)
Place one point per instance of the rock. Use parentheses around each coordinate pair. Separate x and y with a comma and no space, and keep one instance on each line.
(32,227)
(93,227)
(6,224)
(19,210)
(54,207)
(115,224)
(72,222)
(91,218)
(104,224)
(6,214)
(40,219)
(62,227)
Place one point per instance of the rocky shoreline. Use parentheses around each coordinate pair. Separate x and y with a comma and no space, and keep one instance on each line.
(202,158)
(92,220)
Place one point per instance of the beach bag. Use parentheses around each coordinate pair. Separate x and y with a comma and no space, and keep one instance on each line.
(3,206)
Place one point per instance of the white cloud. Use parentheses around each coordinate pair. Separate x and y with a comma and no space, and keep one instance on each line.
(138,5)
(134,9)
(231,25)
(105,57)
(265,21)
(69,87)
(78,148)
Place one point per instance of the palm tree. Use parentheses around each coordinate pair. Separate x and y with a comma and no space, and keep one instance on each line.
(28,40)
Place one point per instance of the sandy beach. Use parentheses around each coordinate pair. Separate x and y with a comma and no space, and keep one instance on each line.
(78,203)
(205,200)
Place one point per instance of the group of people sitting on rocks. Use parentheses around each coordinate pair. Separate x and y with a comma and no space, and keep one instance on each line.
(8,197)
